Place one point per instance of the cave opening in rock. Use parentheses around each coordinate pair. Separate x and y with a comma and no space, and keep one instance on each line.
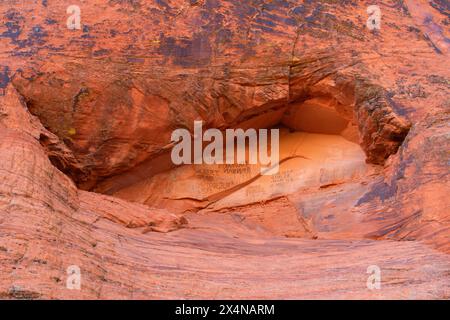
(318,147)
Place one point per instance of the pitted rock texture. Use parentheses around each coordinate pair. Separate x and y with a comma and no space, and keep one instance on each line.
(86,177)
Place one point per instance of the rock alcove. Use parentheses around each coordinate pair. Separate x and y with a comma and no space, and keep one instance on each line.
(323,143)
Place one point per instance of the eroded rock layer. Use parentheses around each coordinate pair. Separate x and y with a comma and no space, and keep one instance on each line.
(86,176)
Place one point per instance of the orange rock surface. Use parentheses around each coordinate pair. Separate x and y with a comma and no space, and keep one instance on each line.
(86,177)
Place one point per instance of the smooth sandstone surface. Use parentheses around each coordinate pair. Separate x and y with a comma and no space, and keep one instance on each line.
(86,177)
(306,160)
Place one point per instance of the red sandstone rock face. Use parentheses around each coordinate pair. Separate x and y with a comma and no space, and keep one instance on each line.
(93,109)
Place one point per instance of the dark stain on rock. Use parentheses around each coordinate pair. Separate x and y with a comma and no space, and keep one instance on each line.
(163,4)
(4,79)
(224,36)
(35,38)
(212,4)
(443,6)
(380,190)
(187,52)
(314,17)
(20,294)
(4,76)
(290,21)
(273,17)
(276,4)
(243,11)
(86,34)
(384,191)
(13,24)
(432,44)
(299,11)
(50,21)
(135,60)
(23,54)
(82,93)
(101,52)
(398,108)
(265,22)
